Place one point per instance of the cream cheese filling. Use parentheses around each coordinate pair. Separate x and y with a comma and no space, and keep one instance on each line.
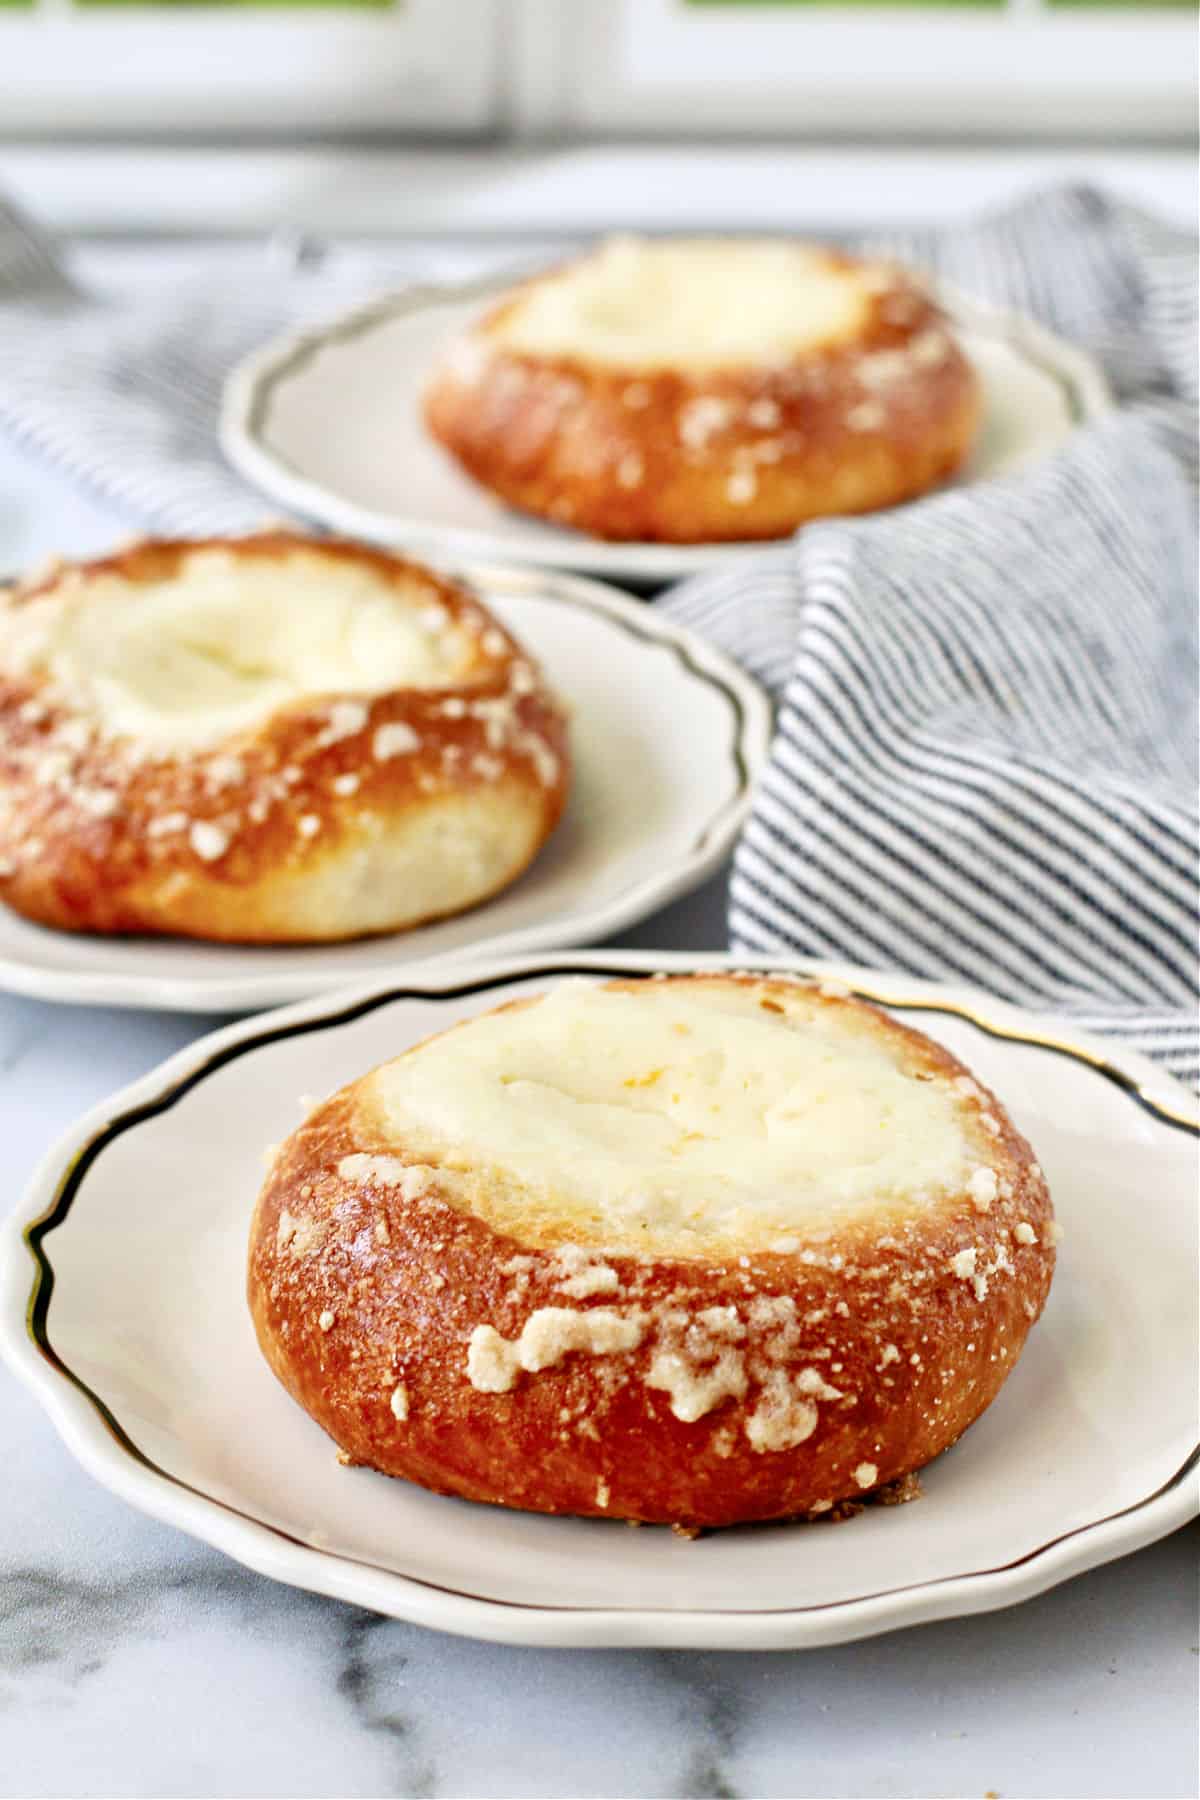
(675,1118)
(227,640)
(701,303)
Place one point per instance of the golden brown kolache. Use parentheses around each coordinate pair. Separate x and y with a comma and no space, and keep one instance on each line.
(265,739)
(698,1250)
(610,395)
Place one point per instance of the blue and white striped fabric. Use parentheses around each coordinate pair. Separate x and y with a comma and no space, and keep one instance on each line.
(984,767)
(121,388)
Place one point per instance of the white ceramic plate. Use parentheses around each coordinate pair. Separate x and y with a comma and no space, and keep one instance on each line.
(328,422)
(668,736)
(121,1303)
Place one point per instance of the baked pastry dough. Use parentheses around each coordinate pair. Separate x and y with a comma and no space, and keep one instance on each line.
(265,739)
(707,389)
(698,1250)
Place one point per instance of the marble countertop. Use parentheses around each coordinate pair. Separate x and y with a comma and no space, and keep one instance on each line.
(136,1662)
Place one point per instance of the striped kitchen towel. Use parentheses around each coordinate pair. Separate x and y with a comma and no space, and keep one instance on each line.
(984,763)
(120,385)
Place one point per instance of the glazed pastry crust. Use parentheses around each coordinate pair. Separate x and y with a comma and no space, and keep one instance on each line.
(303,827)
(680,456)
(849,1365)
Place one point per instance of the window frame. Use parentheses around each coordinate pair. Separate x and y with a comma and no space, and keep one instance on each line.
(419,66)
(1027,70)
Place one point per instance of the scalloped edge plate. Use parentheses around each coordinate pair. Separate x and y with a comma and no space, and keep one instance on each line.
(303,420)
(669,738)
(1117,1521)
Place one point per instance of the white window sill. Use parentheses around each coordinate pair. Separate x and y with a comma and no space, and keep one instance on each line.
(437,193)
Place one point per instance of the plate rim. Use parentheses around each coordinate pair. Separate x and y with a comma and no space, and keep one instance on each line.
(99,1444)
(248,386)
(701,661)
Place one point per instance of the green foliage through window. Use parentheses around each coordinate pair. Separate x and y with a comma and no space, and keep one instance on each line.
(239,5)
(850,5)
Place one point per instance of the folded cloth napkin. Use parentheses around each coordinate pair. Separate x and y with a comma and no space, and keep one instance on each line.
(982,767)
(120,386)
(984,763)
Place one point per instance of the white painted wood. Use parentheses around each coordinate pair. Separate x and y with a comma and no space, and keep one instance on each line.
(657,66)
(423,66)
(534,62)
(505,193)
